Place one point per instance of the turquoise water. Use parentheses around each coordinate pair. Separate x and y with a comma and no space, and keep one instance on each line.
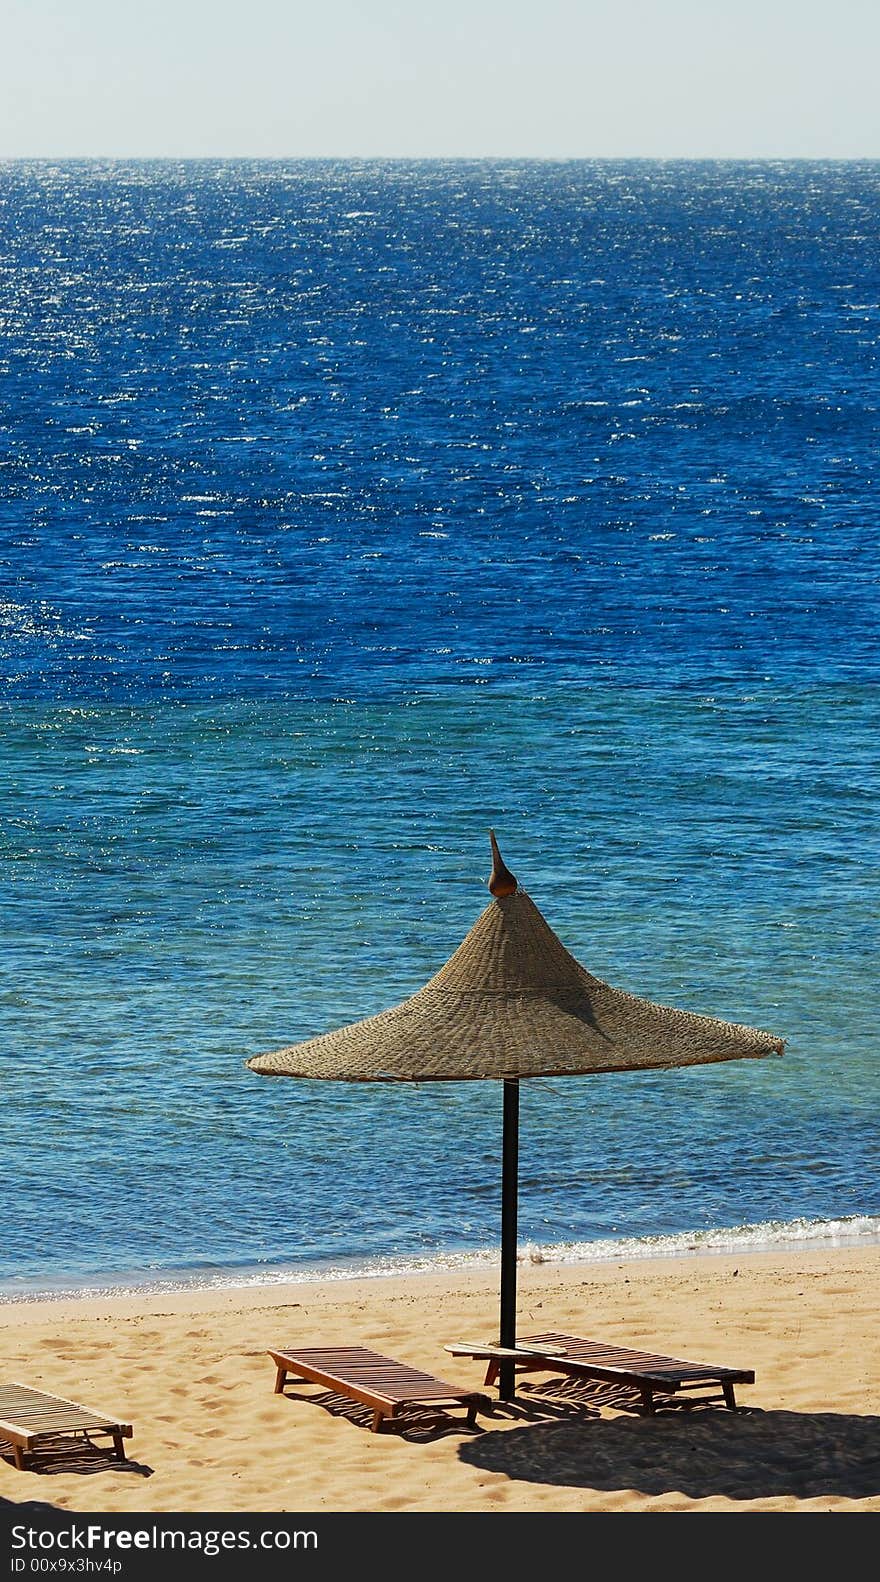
(195,884)
(348,512)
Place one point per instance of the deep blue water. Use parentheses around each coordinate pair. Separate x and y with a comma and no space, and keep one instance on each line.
(348,509)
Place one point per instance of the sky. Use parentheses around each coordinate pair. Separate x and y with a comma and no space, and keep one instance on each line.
(544,79)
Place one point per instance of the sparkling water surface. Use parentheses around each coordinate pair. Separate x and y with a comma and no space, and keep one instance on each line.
(345,511)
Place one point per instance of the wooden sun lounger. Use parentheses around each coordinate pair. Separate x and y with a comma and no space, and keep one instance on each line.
(647,1371)
(28,1416)
(387,1386)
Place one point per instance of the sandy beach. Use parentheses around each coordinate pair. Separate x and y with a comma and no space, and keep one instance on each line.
(190,1371)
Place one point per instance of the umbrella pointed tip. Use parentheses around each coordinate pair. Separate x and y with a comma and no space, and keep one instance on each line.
(501,881)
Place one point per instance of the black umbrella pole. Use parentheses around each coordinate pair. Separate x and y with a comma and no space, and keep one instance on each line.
(509,1190)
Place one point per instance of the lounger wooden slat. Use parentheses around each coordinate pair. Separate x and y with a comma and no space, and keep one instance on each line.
(647,1371)
(28,1416)
(383,1384)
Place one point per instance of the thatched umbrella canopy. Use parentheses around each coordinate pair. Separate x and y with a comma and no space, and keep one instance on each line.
(512,1002)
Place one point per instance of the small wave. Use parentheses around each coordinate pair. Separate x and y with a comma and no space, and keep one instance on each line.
(769,1236)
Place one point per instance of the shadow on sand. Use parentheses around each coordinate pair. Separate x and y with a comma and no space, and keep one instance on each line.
(34,1507)
(54,1456)
(743,1455)
(417,1424)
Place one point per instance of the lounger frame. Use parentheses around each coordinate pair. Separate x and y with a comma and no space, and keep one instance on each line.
(386,1386)
(648,1372)
(29,1416)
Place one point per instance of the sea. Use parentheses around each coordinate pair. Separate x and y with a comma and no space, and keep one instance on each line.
(349,510)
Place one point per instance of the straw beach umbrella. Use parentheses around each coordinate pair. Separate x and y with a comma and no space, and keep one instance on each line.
(511,1002)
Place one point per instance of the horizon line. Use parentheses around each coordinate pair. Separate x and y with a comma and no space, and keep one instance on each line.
(426,159)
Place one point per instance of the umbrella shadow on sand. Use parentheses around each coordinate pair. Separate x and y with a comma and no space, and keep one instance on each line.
(700,1452)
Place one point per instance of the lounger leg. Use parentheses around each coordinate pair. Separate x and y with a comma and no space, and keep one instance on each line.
(472,1414)
(377,1422)
(491,1373)
(729,1397)
(280,1380)
(118,1446)
(18,1457)
(647,1395)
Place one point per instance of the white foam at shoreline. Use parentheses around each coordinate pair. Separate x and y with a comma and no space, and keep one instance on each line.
(769,1236)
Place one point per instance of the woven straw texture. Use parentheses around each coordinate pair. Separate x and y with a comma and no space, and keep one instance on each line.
(512,1002)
